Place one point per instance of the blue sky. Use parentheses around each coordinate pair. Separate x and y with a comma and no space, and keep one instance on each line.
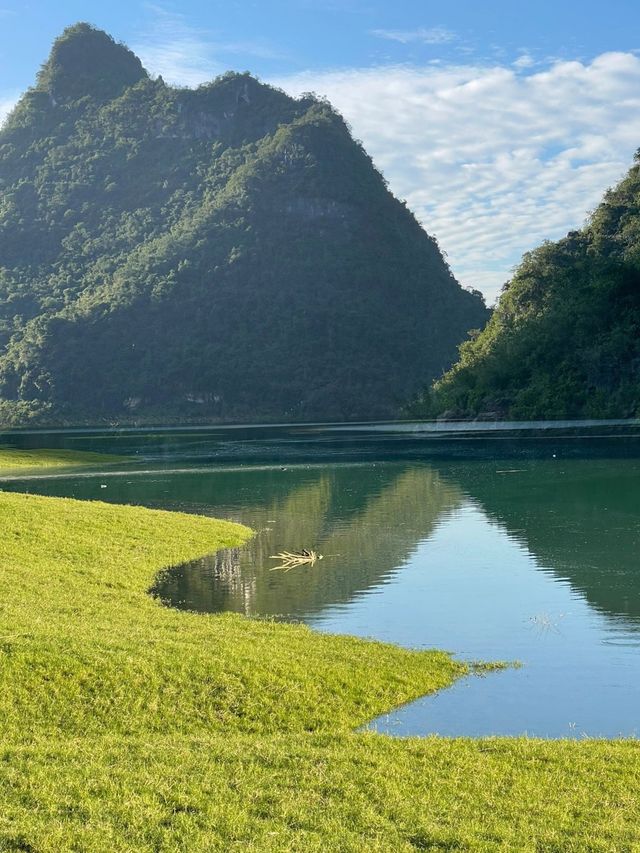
(501,123)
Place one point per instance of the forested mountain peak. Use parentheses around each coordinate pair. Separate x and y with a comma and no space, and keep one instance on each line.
(87,61)
(221,252)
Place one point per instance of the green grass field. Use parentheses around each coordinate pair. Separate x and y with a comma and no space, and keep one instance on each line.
(128,726)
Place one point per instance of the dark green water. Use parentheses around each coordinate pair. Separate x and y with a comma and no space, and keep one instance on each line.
(521,547)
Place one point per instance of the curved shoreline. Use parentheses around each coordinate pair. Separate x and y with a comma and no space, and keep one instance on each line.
(129,725)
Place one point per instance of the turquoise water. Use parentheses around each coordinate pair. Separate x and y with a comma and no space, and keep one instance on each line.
(525,548)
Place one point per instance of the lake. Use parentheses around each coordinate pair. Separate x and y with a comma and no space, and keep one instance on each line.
(516,543)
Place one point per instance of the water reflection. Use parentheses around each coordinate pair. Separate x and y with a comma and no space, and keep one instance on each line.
(364,520)
(535,560)
(580,518)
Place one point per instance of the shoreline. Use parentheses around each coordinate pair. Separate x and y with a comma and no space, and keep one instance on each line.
(130,725)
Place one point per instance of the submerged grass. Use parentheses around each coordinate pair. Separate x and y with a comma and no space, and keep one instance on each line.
(128,726)
(16,460)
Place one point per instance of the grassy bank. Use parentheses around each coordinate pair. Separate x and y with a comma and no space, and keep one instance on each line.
(90,651)
(130,726)
(13,460)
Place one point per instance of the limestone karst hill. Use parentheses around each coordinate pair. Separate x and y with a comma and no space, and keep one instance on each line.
(225,252)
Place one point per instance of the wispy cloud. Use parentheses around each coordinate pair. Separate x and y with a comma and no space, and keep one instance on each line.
(7,103)
(493,159)
(525,60)
(423,35)
(169,46)
(354,7)
(185,55)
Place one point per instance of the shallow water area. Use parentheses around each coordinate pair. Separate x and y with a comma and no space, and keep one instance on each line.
(519,545)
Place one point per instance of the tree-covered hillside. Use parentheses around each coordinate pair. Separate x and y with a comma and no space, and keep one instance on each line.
(225,252)
(564,339)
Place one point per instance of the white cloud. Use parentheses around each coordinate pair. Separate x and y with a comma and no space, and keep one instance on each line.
(185,55)
(424,35)
(6,105)
(525,60)
(493,159)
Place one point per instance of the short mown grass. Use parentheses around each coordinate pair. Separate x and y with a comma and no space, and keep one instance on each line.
(128,726)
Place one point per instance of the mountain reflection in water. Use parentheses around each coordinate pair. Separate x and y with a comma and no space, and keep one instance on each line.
(534,559)
(364,520)
(580,518)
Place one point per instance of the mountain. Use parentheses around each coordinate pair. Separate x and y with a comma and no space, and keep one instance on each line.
(227,252)
(564,339)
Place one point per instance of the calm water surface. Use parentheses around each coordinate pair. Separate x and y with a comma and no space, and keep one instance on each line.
(524,549)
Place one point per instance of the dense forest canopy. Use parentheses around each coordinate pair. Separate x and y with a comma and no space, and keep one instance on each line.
(225,252)
(564,339)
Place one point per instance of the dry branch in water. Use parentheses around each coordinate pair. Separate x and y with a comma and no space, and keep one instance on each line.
(291,559)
